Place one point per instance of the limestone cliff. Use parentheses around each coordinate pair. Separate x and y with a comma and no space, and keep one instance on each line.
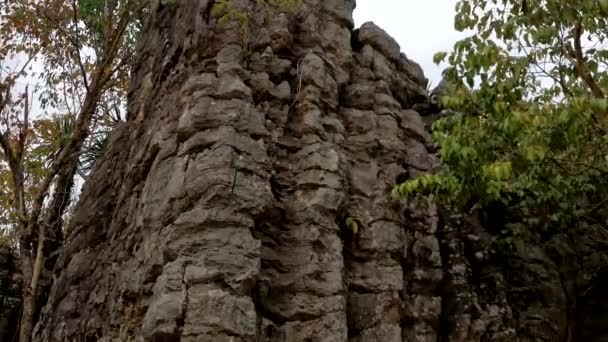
(214,214)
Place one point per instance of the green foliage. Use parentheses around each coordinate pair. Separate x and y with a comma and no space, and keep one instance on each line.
(68,41)
(224,11)
(47,137)
(350,225)
(531,136)
(353,224)
(93,15)
(97,146)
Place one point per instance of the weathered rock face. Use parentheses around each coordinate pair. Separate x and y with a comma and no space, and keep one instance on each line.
(506,283)
(214,214)
(213,217)
(10,295)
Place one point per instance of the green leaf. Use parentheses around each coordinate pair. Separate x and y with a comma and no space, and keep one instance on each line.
(439,57)
(526,135)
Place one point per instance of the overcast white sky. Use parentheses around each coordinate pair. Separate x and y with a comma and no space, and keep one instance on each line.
(422,27)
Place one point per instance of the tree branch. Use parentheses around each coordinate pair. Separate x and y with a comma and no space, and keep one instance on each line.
(77,47)
(100,78)
(24,127)
(577,59)
(581,63)
(15,158)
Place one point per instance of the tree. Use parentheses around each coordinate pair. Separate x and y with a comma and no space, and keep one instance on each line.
(85,49)
(537,146)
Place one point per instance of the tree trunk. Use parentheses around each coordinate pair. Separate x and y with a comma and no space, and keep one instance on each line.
(26,324)
(27,318)
(38,276)
(53,217)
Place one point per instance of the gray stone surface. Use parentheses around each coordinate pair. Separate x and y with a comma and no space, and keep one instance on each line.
(10,295)
(214,214)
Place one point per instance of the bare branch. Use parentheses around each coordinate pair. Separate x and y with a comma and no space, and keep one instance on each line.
(562,81)
(77,47)
(110,6)
(24,126)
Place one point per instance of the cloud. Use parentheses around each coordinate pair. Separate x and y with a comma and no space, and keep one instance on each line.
(422,27)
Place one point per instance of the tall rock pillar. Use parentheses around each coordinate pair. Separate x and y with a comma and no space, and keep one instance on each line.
(217,214)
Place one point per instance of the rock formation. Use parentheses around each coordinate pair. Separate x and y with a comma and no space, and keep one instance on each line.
(213,216)
(503,282)
(10,295)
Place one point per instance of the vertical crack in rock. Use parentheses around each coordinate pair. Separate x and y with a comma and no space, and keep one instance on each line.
(181,319)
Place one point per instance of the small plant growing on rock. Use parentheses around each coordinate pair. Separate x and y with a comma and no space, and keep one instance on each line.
(225,11)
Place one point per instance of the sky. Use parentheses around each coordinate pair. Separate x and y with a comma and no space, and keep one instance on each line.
(421,27)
